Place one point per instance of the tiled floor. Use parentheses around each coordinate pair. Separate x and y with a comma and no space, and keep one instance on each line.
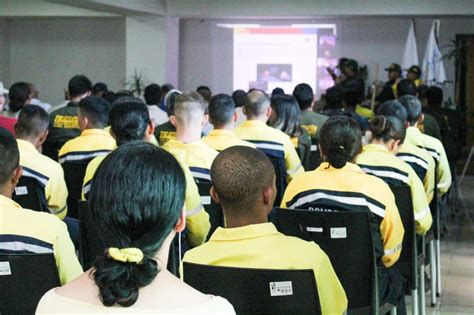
(457,260)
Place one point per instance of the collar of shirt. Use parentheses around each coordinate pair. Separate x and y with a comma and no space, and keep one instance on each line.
(349,167)
(412,130)
(244,232)
(8,203)
(253,123)
(375,148)
(89,132)
(222,132)
(26,145)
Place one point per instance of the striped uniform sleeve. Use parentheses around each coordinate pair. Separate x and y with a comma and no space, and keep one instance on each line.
(91,169)
(66,260)
(423,219)
(429,180)
(444,172)
(56,193)
(197,219)
(391,228)
(292,160)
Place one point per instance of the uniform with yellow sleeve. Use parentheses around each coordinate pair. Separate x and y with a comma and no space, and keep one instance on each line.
(221,139)
(198,156)
(23,230)
(48,173)
(378,161)
(272,142)
(262,246)
(91,143)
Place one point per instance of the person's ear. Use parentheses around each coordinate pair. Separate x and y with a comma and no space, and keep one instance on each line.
(395,146)
(214,195)
(173,120)
(269,111)
(42,138)
(150,129)
(421,119)
(205,119)
(181,225)
(235,117)
(268,195)
(17,173)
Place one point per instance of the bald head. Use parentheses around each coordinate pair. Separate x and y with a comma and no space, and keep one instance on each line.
(239,176)
(256,104)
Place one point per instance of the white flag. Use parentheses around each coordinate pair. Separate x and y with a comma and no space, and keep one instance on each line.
(433,67)
(410,54)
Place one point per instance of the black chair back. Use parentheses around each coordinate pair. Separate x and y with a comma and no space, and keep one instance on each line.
(216,216)
(74,175)
(315,156)
(51,149)
(257,291)
(89,242)
(280,175)
(408,261)
(29,194)
(347,240)
(24,279)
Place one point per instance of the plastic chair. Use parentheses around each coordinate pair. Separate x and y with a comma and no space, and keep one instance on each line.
(74,175)
(216,216)
(29,194)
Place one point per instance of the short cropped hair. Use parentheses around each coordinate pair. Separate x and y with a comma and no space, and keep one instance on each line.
(152,94)
(79,85)
(239,174)
(19,94)
(434,95)
(205,92)
(96,109)
(239,97)
(189,107)
(128,119)
(32,121)
(304,95)
(256,103)
(221,109)
(413,108)
(334,97)
(9,155)
(392,108)
(406,87)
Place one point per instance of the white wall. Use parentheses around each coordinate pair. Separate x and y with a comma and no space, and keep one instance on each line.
(206,50)
(4,52)
(49,51)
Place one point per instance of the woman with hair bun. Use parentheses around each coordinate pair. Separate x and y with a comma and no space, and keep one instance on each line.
(378,159)
(340,185)
(138,217)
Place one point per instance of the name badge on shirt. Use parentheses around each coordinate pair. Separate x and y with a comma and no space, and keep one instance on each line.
(281,288)
(5,268)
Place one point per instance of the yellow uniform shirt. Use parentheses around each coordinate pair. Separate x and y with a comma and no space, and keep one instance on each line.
(24,230)
(351,187)
(49,175)
(272,142)
(364,112)
(220,139)
(91,143)
(89,175)
(198,156)
(435,148)
(262,246)
(378,161)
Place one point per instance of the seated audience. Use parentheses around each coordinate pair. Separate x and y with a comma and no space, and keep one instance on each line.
(34,98)
(432,145)
(188,147)
(100,89)
(310,120)
(239,97)
(138,220)
(152,98)
(31,131)
(5,122)
(19,96)
(351,101)
(337,182)
(434,99)
(222,116)
(167,131)
(27,231)
(243,182)
(94,140)
(378,159)
(286,117)
(267,139)
(205,92)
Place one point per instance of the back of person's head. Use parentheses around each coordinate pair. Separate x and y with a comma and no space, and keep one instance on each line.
(170,101)
(304,95)
(286,113)
(221,110)
(165,88)
(392,108)
(387,128)
(19,96)
(340,140)
(32,122)
(189,108)
(96,110)
(99,89)
(9,156)
(256,103)
(239,97)
(123,93)
(110,96)
(434,96)
(406,87)
(152,94)
(421,91)
(351,98)
(239,174)
(79,85)
(140,211)
(128,119)
(278,91)
(205,92)
(413,108)
(334,97)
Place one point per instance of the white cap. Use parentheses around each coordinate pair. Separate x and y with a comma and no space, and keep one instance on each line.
(2,88)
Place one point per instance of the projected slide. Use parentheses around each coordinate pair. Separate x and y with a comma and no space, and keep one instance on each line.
(266,58)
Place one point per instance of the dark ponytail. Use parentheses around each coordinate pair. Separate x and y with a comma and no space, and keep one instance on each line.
(387,128)
(340,140)
(136,199)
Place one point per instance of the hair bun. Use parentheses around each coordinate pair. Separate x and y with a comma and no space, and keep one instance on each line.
(378,125)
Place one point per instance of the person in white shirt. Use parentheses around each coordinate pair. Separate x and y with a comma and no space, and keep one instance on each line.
(152,98)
